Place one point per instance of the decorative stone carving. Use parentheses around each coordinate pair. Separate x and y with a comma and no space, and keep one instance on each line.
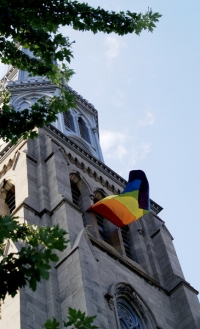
(110,301)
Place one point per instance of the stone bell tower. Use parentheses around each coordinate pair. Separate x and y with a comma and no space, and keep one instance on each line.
(129,277)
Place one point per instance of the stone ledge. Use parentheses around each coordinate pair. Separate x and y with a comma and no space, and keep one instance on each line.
(185,284)
(45,210)
(129,264)
(94,162)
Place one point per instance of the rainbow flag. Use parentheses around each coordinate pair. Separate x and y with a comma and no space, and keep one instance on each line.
(130,205)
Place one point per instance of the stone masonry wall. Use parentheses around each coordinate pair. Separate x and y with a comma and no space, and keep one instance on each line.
(89,267)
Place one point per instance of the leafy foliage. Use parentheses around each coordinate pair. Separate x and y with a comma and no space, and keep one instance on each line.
(79,320)
(76,320)
(32,262)
(44,111)
(34,24)
(51,324)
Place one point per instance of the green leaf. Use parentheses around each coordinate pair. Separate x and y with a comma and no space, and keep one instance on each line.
(31,263)
(51,324)
(79,320)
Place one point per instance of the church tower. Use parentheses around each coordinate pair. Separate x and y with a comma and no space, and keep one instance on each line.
(130,277)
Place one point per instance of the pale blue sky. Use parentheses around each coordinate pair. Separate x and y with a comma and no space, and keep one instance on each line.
(146,90)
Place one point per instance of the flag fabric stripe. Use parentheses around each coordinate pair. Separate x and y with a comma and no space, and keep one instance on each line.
(130,205)
(117,213)
(132,186)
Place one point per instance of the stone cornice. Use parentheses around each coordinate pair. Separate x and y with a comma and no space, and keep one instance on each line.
(38,81)
(84,102)
(95,163)
(8,149)
(91,159)
(155,207)
(185,284)
(11,73)
(43,82)
(45,210)
(24,85)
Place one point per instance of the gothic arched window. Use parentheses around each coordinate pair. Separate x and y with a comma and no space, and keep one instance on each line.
(10,199)
(131,311)
(68,120)
(74,180)
(7,197)
(128,317)
(83,129)
(75,193)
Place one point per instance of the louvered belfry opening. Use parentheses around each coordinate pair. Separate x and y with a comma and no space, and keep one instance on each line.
(10,199)
(68,120)
(83,129)
(66,117)
(126,241)
(101,220)
(74,180)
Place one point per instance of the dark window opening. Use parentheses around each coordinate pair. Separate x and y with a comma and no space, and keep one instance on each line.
(126,241)
(68,120)
(101,228)
(101,222)
(83,129)
(75,193)
(10,199)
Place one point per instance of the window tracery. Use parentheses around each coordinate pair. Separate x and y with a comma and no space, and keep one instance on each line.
(128,318)
(131,311)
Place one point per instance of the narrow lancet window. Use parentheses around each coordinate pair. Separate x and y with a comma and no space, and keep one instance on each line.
(126,241)
(10,199)
(75,188)
(68,121)
(83,129)
(101,221)
(75,193)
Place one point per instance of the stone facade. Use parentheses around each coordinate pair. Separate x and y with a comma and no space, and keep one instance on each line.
(129,278)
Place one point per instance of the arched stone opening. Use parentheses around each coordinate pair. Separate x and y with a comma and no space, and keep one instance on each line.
(83,129)
(130,309)
(127,242)
(68,121)
(7,197)
(80,191)
(75,189)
